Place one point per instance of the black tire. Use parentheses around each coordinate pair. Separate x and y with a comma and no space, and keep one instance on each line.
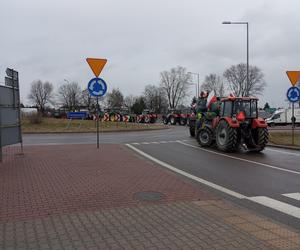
(165,121)
(192,130)
(182,121)
(172,120)
(205,137)
(261,138)
(226,137)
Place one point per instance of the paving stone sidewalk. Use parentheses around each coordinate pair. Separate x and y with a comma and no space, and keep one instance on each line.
(75,197)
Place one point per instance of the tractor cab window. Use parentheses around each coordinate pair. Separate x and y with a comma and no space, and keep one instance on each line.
(242,106)
(254,109)
(248,107)
(226,108)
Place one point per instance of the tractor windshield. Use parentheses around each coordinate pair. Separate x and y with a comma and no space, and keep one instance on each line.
(248,106)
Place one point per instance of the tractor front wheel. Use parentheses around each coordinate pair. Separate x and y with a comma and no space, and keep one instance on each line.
(226,137)
(205,137)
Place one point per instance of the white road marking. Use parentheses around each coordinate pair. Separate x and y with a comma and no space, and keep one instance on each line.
(263,200)
(188,140)
(145,143)
(205,182)
(163,142)
(241,159)
(295,196)
(155,142)
(136,143)
(277,205)
(283,152)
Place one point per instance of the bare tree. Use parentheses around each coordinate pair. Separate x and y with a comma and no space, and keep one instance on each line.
(41,93)
(175,83)
(87,101)
(236,76)
(129,101)
(115,99)
(155,98)
(70,95)
(213,82)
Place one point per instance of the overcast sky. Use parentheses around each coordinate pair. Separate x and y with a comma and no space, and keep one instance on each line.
(49,40)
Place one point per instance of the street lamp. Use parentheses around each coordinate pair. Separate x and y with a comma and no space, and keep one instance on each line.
(247,24)
(198,77)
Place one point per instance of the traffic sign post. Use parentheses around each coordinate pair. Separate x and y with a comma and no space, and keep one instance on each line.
(293,123)
(97,86)
(293,95)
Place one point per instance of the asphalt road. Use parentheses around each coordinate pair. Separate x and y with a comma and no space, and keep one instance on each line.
(268,182)
(176,133)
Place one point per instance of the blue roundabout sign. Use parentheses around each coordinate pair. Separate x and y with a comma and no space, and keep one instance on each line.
(97,87)
(293,94)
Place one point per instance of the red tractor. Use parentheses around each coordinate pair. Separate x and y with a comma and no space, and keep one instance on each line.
(234,123)
(175,117)
(146,117)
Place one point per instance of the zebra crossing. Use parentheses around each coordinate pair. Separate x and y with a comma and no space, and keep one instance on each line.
(295,196)
(278,205)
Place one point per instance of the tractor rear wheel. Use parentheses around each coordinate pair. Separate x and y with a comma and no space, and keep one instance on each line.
(226,137)
(261,138)
(205,137)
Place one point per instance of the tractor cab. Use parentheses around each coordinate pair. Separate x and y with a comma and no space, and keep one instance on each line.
(239,108)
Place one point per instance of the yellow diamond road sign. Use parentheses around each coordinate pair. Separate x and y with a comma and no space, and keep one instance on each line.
(294,77)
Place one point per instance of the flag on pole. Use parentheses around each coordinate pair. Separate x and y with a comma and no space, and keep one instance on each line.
(211,99)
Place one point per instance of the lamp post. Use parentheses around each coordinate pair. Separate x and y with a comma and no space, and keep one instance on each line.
(198,84)
(247,25)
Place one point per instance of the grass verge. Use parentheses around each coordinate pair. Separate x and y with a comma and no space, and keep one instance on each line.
(284,138)
(52,125)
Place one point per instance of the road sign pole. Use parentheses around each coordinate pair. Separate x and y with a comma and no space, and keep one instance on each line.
(293,124)
(97,86)
(97,122)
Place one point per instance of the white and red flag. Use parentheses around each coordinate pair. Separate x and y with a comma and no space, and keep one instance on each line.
(211,99)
